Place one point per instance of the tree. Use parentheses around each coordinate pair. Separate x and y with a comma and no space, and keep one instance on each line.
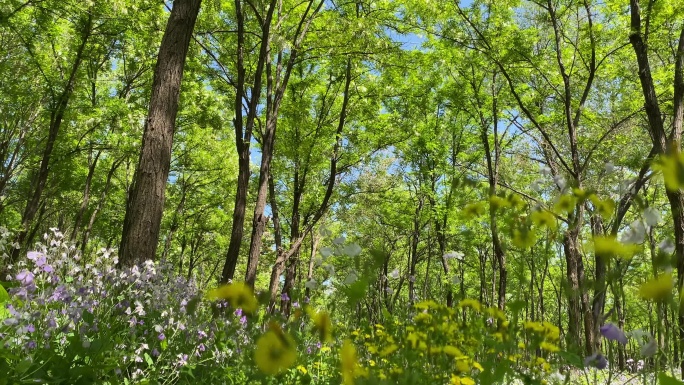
(663,142)
(146,202)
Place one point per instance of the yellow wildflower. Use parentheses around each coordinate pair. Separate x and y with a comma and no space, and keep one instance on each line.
(462,364)
(425,305)
(472,210)
(436,349)
(549,347)
(565,204)
(496,313)
(396,370)
(388,350)
(302,369)
(534,326)
(672,166)
(413,339)
(348,362)
(452,351)
(543,218)
(609,246)
(551,331)
(475,304)
(523,237)
(496,202)
(423,317)
(275,351)
(456,380)
(604,207)
(657,289)
(238,294)
(322,324)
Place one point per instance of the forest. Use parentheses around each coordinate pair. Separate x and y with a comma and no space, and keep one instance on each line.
(342,192)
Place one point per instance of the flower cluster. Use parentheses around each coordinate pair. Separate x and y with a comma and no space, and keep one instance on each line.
(142,322)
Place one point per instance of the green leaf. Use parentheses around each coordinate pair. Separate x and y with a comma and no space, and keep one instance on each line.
(23,366)
(191,307)
(357,290)
(571,358)
(4,298)
(664,379)
(148,359)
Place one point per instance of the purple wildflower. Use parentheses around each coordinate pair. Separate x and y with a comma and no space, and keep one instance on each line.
(182,359)
(614,333)
(161,337)
(25,277)
(284,297)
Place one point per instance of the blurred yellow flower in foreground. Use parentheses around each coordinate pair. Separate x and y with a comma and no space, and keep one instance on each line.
(322,325)
(456,380)
(349,363)
(275,351)
(237,294)
(657,288)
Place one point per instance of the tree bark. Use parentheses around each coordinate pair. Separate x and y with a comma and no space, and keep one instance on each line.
(146,202)
(275,91)
(92,164)
(659,137)
(415,239)
(599,300)
(244,129)
(100,204)
(492,177)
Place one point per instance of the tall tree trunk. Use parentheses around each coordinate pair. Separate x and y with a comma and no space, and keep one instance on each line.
(659,137)
(259,219)
(244,129)
(415,239)
(314,248)
(92,164)
(291,272)
(279,265)
(100,204)
(493,176)
(275,90)
(599,300)
(574,303)
(56,117)
(174,222)
(441,243)
(146,204)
